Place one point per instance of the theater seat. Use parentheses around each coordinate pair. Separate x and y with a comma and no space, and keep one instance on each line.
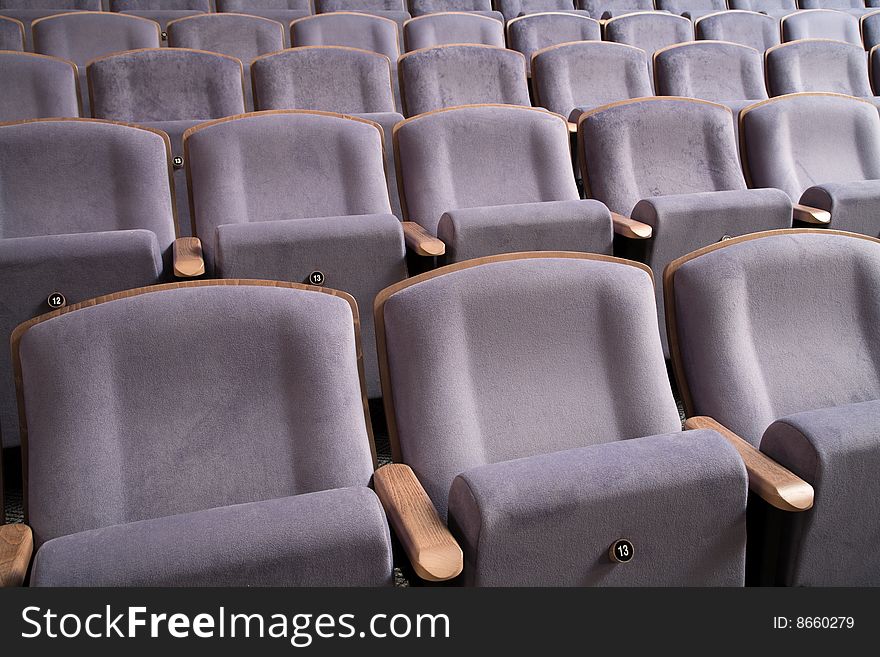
(835,170)
(283,11)
(725,73)
(332,79)
(807,400)
(27,11)
(171,89)
(37,86)
(774,8)
(511,9)
(854,7)
(604,9)
(84,35)
(540,440)
(672,163)
(11,34)
(572,78)
(75,227)
(215,488)
(421,7)
(692,9)
(746,28)
(395,10)
(466,74)
(161,11)
(532,32)
(490,179)
(439,29)
(284,194)
(818,65)
(821,24)
(649,31)
(241,36)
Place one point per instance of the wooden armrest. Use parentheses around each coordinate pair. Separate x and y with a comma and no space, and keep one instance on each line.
(431,549)
(572,127)
(188,260)
(630,227)
(421,241)
(16,548)
(806,214)
(775,484)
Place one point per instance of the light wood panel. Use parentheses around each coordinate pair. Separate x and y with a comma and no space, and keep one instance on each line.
(16,547)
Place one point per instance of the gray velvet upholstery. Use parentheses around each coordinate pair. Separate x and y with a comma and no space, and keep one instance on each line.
(348,29)
(672,163)
(259,474)
(266,210)
(575,77)
(855,7)
(485,361)
(836,168)
(452,27)
(510,9)
(874,67)
(607,8)
(325,6)
(775,8)
(165,84)
(78,226)
(576,225)
(11,34)
(817,65)
(241,36)
(161,11)
(749,362)
(746,28)
(821,24)
(419,7)
(283,11)
(550,519)
(26,18)
(445,76)
(330,538)
(82,36)
(870,26)
(837,450)
(649,31)
(36,86)
(710,70)
(533,32)
(162,17)
(330,78)
(691,7)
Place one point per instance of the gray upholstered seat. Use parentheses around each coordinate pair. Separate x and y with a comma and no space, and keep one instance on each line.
(251,469)
(821,24)
(395,10)
(870,27)
(692,8)
(608,8)
(854,7)
(332,79)
(461,74)
(747,28)
(836,168)
(171,89)
(777,339)
(511,9)
(282,194)
(672,163)
(241,36)
(421,7)
(817,65)
(37,86)
(541,452)
(725,73)
(86,210)
(27,11)
(774,8)
(161,11)
(11,34)
(572,78)
(84,35)
(283,11)
(532,32)
(459,181)
(439,29)
(649,31)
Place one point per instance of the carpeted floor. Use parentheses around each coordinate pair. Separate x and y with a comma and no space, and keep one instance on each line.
(12,476)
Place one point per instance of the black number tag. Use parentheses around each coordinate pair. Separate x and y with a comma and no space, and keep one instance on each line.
(621,551)
(177,162)
(317,278)
(56,300)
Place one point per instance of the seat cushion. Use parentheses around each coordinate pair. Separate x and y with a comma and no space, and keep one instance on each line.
(550,520)
(331,538)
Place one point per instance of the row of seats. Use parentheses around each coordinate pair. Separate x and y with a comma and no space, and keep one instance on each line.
(284,194)
(535,434)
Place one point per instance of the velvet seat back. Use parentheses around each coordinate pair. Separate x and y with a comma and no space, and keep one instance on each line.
(710,70)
